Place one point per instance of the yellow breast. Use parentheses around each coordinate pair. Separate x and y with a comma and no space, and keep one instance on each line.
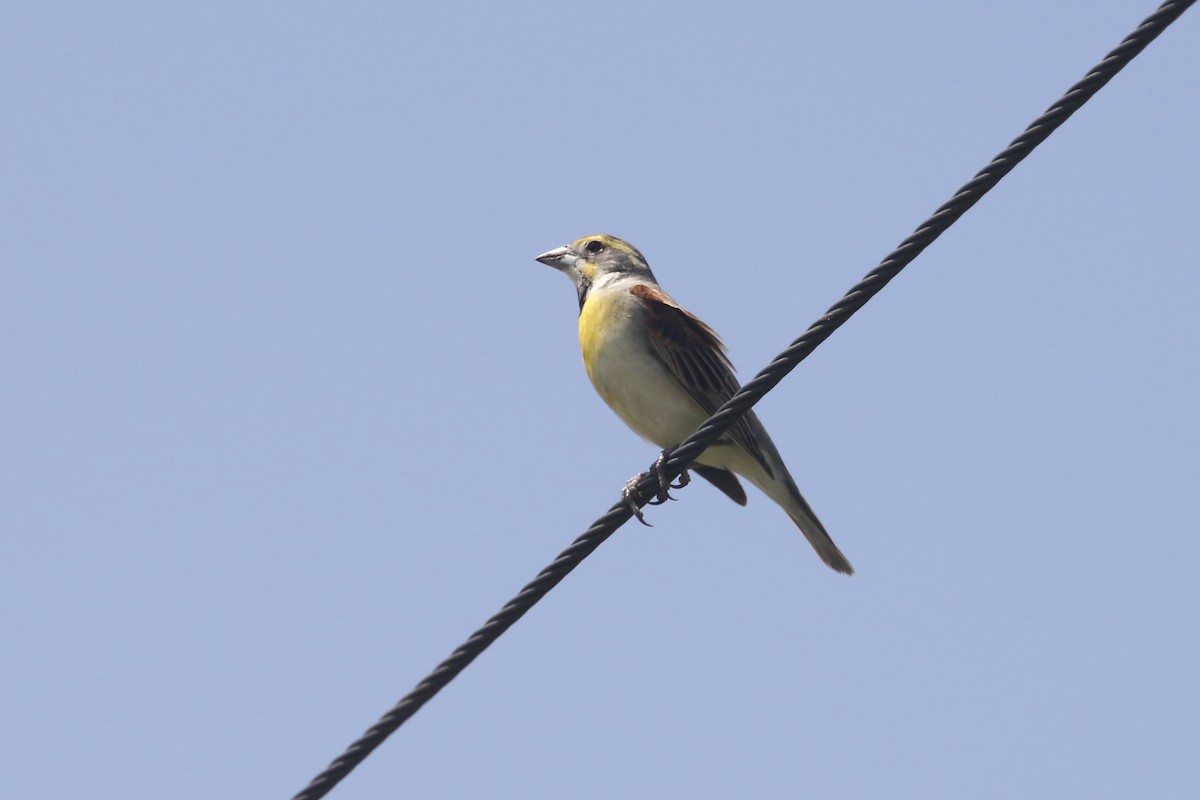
(601,323)
(626,376)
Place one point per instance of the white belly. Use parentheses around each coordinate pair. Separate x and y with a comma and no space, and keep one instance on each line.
(635,385)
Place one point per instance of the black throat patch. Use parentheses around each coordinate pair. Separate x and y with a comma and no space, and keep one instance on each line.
(585,286)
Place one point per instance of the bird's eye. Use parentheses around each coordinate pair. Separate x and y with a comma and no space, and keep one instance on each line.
(593,247)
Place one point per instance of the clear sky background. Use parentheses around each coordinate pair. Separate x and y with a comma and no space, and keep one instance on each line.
(288,408)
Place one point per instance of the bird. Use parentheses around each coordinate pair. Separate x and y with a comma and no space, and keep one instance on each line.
(663,372)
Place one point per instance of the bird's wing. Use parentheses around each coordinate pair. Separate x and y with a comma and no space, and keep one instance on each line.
(723,479)
(695,356)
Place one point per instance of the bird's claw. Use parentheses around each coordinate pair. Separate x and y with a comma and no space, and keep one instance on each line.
(664,485)
(630,495)
(684,480)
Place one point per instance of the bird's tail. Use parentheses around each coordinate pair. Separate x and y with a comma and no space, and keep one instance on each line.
(802,514)
(767,471)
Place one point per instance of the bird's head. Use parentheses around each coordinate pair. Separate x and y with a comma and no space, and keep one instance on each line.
(596,260)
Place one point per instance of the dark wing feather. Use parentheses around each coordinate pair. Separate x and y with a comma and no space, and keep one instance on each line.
(696,357)
(724,480)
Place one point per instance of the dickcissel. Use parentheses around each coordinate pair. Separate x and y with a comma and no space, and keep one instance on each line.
(664,372)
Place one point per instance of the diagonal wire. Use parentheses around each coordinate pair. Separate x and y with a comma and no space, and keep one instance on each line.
(752,392)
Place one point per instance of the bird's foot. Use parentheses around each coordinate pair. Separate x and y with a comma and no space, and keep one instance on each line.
(661,464)
(630,496)
(665,485)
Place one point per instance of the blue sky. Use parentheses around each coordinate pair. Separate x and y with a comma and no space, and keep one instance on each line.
(289,409)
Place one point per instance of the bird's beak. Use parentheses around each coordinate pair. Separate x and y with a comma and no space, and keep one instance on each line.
(561,258)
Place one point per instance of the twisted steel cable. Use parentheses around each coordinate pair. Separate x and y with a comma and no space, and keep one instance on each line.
(752,392)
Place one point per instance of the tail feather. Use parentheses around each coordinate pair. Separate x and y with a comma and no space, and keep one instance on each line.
(777,484)
(782,489)
(802,514)
(765,469)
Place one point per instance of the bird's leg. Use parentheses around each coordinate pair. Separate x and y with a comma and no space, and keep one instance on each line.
(630,495)
(664,485)
(684,479)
